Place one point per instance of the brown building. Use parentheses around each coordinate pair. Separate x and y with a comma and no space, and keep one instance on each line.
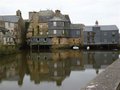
(53,29)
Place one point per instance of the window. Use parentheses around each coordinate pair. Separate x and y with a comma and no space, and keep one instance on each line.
(55,73)
(105,33)
(55,65)
(37,39)
(54,23)
(63,32)
(7,39)
(12,25)
(45,39)
(113,34)
(54,31)
(11,39)
(105,40)
(113,41)
(78,62)
(41,33)
(78,32)
(88,33)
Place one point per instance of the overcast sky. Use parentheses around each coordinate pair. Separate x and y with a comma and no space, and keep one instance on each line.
(80,11)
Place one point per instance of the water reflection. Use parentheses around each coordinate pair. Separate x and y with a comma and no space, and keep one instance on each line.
(52,66)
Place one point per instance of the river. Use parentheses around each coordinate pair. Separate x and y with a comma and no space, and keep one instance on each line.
(52,70)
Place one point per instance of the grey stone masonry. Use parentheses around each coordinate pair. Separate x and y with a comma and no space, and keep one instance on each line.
(109,79)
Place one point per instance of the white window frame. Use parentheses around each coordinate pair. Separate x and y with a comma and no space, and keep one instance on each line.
(63,31)
(54,31)
(54,23)
(78,32)
(47,33)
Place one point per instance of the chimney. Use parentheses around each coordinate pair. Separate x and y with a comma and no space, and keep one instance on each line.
(18,13)
(96,23)
(57,12)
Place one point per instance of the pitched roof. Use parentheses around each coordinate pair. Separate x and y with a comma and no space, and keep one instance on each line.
(10,18)
(46,13)
(76,26)
(60,17)
(102,27)
(44,18)
(109,27)
(88,28)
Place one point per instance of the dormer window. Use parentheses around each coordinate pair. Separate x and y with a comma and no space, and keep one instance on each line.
(54,23)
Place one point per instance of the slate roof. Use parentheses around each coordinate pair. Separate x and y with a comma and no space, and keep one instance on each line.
(56,19)
(109,27)
(46,13)
(76,26)
(102,27)
(60,18)
(88,28)
(44,18)
(10,18)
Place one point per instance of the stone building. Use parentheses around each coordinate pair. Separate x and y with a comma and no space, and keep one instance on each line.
(6,37)
(15,25)
(53,29)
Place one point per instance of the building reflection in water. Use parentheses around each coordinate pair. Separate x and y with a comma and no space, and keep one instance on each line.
(52,66)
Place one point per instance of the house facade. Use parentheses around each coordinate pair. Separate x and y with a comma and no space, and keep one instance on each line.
(101,35)
(15,26)
(53,29)
(6,38)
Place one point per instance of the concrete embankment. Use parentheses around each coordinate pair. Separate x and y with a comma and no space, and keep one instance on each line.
(109,79)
